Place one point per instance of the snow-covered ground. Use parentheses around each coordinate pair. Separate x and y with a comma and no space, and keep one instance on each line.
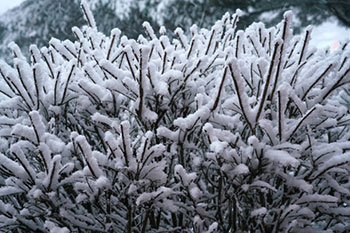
(8,4)
(329,34)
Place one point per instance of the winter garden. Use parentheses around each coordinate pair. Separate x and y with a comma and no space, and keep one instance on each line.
(222,130)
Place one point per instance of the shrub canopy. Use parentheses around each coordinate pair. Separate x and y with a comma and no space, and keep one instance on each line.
(222,131)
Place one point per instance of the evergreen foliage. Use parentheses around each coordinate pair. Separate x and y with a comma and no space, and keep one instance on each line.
(219,131)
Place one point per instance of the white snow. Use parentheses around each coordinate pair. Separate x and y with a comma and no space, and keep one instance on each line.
(240,169)
(282,157)
(329,34)
(258,212)
(195,192)
(186,178)
(262,184)
(333,162)
(8,190)
(212,227)
(103,182)
(6,5)
(55,229)
(143,160)
(315,198)
(89,156)
(88,14)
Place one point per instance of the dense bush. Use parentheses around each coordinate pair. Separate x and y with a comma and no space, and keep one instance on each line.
(223,131)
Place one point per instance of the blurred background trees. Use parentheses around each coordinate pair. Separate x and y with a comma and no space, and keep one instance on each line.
(36,21)
(204,12)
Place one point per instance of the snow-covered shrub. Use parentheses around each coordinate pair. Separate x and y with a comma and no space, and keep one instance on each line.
(221,131)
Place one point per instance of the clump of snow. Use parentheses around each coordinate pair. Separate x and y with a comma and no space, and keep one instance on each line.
(258,212)
(282,157)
